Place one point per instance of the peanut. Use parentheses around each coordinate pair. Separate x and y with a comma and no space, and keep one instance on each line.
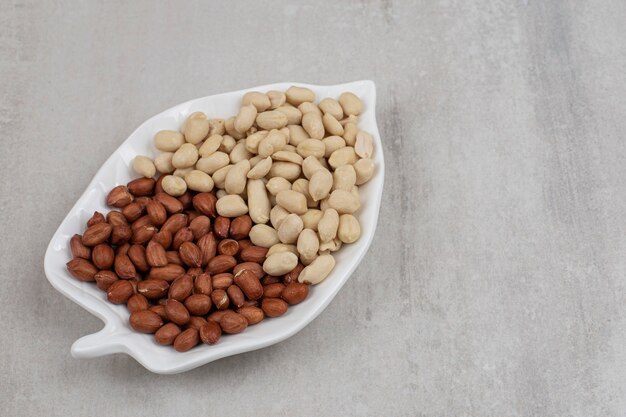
(199,181)
(332,107)
(277,98)
(263,235)
(349,228)
(364,169)
(277,215)
(219,176)
(211,145)
(294,116)
(308,246)
(235,182)
(163,162)
(213,162)
(312,123)
(258,202)
(196,129)
(186,156)
(260,169)
(280,263)
(344,177)
(298,95)
(231,205)
(277,184)
(258,100)
(168,140)
(272,119)
(332,125)
(344,202)
(286,170)
(320,184)
(173,185)
(246,117)
(144,166)
(311,218)
(364,145)
(290,228)
(292,201)
(317,270)
(351,104)
(296,134)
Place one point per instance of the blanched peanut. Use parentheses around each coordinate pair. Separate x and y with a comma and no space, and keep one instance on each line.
(297,134)
(294,116)
(280,263)
(290,228)
(344,178)
(216,127)
(277,184)
(228,143)
(297,95)
(302,186)
(277,98)
(196,128)
(239,153)
(308,246)
(185,156)
(273,142)
(332,125)
(163,162)
(292,201)
(174,186)
(328,225)
(311,218)
(258,202)
(324,204)
(255,160)
(342,156)
(229,125)
(281,247)
(199,181)
(231,205)
(320,184)
(263,235)
(245,118)
(318,270)
(219,176)
(330,246)
(349,119)
(289,148)
(168,140)
(364,145)
(286,156)
(332,107)
(213,162)
(287,170)
(311,147)
(312,124)
(349,228)
(308,107)
(350,131)
(221,193)
(236,178)
(272,119)
(260,101)
(344,202)
(364,170)
(350,104)
(310,166)
(277,215)
(144,166)
(181,172)
(332,143)
(211,145)
(252,141)
(261,169)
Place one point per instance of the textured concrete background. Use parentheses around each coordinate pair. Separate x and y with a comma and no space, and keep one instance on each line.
(496,283)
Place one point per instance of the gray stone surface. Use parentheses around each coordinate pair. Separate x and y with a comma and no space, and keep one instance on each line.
(496,282)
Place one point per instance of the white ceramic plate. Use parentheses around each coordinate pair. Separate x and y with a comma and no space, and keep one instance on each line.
(117,336)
